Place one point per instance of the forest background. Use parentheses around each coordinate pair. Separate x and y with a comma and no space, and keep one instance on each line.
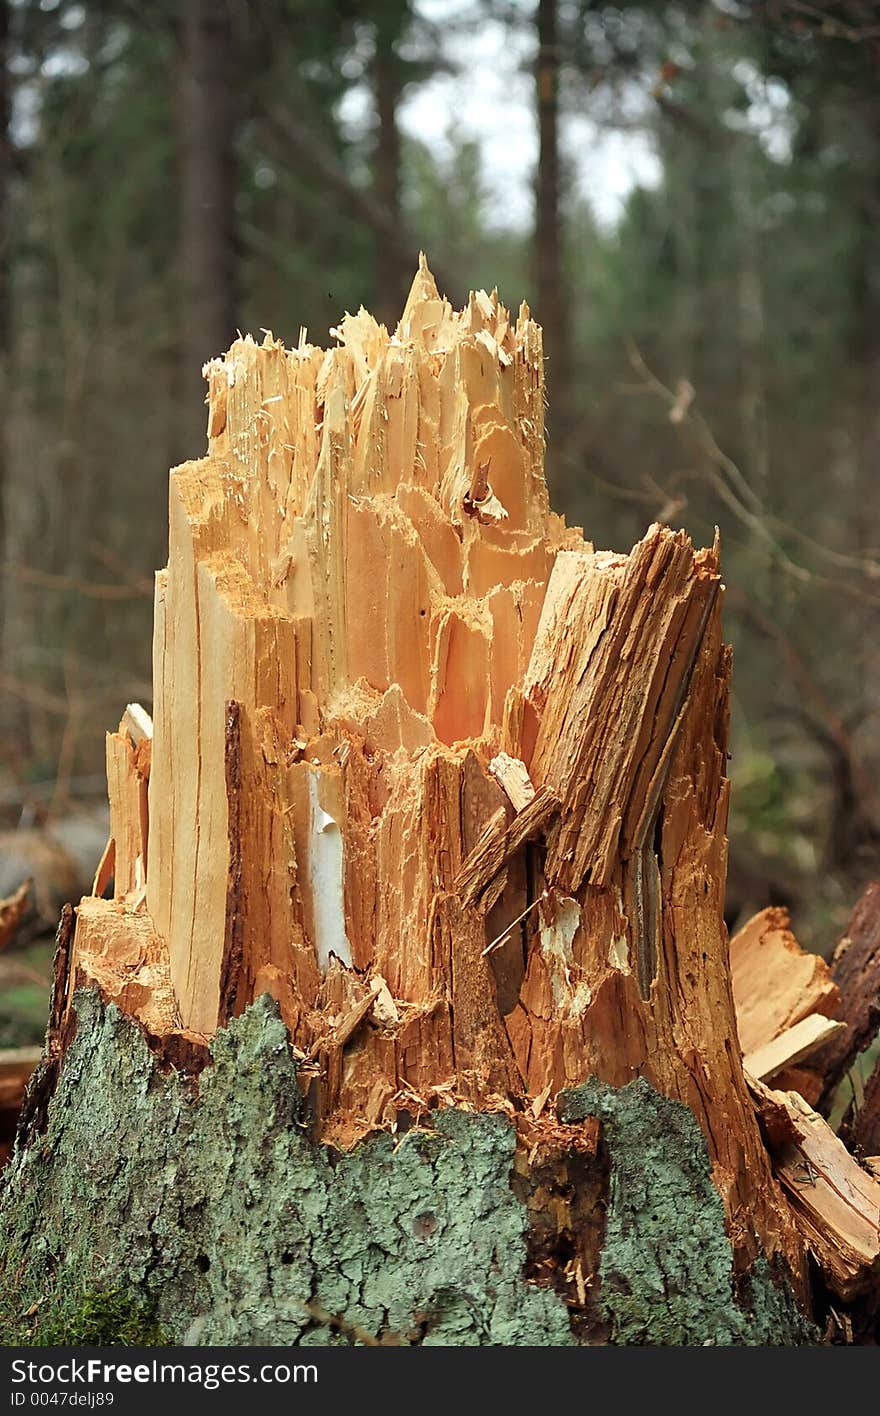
(687,195)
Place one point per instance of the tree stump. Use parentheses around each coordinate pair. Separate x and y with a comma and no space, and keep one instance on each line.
(410,1019)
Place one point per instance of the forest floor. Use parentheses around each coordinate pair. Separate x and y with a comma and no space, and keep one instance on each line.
(25,983)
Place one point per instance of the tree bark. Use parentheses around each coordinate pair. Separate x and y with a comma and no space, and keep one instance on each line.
(864,1124)
(202,1204)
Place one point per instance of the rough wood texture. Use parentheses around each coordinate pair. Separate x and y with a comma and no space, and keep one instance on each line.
(440,778)
(117,947)
(835,1202)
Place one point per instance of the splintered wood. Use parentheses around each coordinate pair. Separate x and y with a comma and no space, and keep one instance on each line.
(446,782)
(835,1202)
(791,1046)
(782,995)
(776,983)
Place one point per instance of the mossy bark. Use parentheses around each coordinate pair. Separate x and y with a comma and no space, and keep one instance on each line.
(207,1212)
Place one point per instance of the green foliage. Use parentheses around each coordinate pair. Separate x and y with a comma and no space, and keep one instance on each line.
(103,1320)
(87,1319)
(24,983)
(771,803)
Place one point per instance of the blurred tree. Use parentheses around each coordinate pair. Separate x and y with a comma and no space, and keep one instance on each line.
(388,74)
(209,120)
(5,312)
(552,304)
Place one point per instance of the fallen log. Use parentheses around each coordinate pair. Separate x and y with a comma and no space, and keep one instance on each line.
(855,968)
(835,1201)
(16,1066)
(776,983)
(790,1047)
(422,922)
(13,909)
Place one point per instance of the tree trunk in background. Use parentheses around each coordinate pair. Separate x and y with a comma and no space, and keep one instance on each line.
(552,304)
(753,402)
(866,369)
(208,113)
(392,272)
(695,153)
(5,312)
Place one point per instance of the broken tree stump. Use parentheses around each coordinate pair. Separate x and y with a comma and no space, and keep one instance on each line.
(415,976)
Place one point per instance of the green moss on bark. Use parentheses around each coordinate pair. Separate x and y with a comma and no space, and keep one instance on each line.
(219,1208)
(666,1271)
(210,1217)
(89,1319)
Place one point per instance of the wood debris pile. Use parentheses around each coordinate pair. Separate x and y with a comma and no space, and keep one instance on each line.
(784,997)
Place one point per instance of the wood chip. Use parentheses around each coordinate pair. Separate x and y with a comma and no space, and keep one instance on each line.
(540,1101)
(513,776)
(500,841)
(790,1046)
(384,1007)
(347,1026)
(137,722)
(775,982)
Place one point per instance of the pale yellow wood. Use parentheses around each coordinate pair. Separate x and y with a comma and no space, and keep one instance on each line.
(791,1046)
(129,820)
(776,983)
(376,568)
